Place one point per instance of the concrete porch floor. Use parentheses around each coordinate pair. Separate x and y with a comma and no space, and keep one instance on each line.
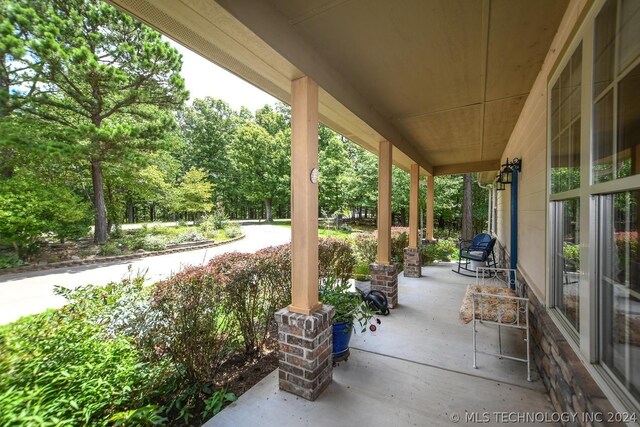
(415,370)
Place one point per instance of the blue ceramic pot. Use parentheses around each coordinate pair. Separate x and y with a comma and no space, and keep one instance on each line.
(341,338)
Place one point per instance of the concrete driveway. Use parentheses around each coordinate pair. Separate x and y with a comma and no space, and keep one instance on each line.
(32,292)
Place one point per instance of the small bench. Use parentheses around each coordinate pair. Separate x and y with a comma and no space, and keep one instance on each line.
(499,306)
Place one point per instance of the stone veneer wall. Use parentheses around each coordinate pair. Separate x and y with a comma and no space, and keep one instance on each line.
(570,386)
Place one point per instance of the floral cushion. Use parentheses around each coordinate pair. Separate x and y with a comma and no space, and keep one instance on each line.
(491,308)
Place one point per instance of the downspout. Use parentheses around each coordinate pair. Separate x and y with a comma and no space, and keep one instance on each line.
(514,223)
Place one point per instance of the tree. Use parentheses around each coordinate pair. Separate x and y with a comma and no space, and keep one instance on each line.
(208,126)
(193,195)
(106,79)
(334,167)
(30,207)
(262,164)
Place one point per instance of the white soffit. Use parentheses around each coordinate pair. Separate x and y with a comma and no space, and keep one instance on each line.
(443,80)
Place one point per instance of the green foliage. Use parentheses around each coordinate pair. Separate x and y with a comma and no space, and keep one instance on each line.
(571,251)
(104,79)
(216,220)
(149,415)
(442,250)
(112,249)
(336,259)
(9,260)
(193,195)
(213,404)
(232,231)
(194,325)
(30,208)
(58,368)
(248,297)
(365,246)
(349,306)
(361,272)
(261,161)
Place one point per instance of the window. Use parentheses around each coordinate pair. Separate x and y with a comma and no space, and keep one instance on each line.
(566,259)
(620,287)
(565,126)
(593,246)
(616,88)
(616,154)
(564,132)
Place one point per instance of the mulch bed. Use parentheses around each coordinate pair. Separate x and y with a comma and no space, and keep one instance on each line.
(242,374)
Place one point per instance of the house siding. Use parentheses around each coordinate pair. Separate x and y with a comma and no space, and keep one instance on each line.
(572,389)
(528,142)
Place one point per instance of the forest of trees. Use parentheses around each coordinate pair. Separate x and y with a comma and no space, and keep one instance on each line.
(95,128)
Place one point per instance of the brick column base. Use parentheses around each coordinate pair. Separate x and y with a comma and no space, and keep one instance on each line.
(384,278)
(412,262)
(306,343)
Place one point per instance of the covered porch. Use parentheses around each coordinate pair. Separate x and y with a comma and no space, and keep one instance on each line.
(415,370)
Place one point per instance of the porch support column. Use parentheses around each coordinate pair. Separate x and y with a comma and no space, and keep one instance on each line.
(412,254)
(430,193)
(384,274)
(304,197)
(304,328)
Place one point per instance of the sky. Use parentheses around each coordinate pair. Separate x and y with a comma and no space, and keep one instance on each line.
(204,78)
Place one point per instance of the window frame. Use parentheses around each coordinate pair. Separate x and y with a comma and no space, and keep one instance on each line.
(588,343)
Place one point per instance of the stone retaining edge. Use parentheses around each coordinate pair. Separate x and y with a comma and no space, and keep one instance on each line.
(108,259)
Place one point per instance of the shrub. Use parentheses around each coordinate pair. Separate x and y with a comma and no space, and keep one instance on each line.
(111,248)
(154,243)
(233,231)
(30,208)
(189,236)
(9,260)
(361,272)
(442,250)
(216,220)
(246,295)
(365,247)
(335,259)
(57,368)
(193,327)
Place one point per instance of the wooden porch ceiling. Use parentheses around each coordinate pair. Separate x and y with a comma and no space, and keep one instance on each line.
(443,80)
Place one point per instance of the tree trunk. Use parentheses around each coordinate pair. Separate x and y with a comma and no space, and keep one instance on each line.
(100,234)
(467,211)
(130,218)
(267,207)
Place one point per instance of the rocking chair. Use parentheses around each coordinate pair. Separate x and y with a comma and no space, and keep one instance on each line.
(478,250)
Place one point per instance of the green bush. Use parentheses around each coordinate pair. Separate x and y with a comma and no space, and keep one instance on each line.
(246,294)
(56,368)
(335,259)
(111,249)
(194,326)
(9,260)
(233,231)
(442,250)
(216,220)
(31,208)
(365,246)
(361,272)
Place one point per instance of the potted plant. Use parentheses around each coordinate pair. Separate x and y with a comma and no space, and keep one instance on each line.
(361,277)
(351,309)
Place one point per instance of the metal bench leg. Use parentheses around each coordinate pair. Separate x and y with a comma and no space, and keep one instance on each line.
(475,366)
